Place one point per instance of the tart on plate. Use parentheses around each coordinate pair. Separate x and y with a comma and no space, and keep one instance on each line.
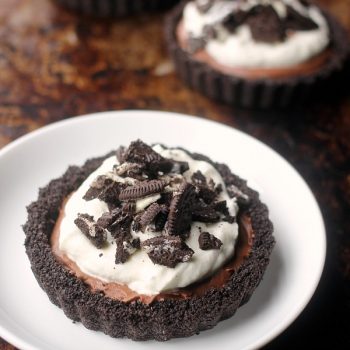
(149,242)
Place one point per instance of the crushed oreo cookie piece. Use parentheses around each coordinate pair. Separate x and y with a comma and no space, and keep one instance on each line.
(125,249)
(161,219)
(198,179)
(208,241)
(265,24)
(105,189)
(152,162)
(149,215)
(129,208)
(179,167)
(95,233)
(234,20)
(108,218)
(132,170)
(167,250)
(221,207)
(141,190)
(206,194)
(205,213)
(296,21)
(180,213)
(120,227)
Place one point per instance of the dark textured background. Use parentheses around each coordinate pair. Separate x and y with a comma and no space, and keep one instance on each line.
(55,65)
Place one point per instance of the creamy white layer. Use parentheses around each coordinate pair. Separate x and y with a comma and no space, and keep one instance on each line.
(239,49)
(139,273)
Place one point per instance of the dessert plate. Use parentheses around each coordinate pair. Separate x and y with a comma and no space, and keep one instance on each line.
(28,319)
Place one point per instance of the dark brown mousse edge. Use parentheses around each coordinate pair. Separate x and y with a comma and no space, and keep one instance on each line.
(115,8)
(160,320)
(258,93)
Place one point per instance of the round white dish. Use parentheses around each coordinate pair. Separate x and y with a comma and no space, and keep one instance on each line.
(28,319)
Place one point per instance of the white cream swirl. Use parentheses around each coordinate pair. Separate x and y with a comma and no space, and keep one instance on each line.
(239,49)
(139,273)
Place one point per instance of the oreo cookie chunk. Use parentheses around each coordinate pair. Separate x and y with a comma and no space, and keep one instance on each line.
(180,212)
(95,233)
(265,24)
(208,241)
(142,189)
(125,248)
(167,250)
(105,189)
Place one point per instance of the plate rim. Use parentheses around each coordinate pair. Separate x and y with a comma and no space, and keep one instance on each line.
(294,314)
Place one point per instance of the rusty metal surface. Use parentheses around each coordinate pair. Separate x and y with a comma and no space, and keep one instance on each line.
(54,65)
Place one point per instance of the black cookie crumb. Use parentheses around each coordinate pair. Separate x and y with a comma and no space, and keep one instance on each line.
(265,24)
(296,21)
(180,213)
(96,234)
(208,241)
(167,250)
(141,190)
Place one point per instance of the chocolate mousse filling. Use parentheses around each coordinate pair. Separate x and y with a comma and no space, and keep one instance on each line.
(123,293)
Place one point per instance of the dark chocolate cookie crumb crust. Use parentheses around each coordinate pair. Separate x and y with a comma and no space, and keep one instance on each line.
(160,320)
(258,93)
(115,8)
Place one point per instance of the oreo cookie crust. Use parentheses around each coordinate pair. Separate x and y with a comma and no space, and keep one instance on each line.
(162,319)
(115,8)
(261,93)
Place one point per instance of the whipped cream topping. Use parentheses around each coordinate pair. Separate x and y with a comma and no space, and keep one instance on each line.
(239,49)
(139,273)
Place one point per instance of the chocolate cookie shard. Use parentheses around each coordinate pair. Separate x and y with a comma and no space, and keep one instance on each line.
(205,213)
(161,219)
(265,24)
(152,162)
(125,248)
(149,215)
(208,241)
(167,250)
(105,189)
(179,167)
(234,20)
(132,170)
(180,212)
(129,208)
(121,227)
(95,233)
(106,220)
(296,21)
(143,189)
(198,179)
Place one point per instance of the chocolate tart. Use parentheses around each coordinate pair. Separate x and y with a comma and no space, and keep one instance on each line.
(115,8)
(180,315)
(261,93)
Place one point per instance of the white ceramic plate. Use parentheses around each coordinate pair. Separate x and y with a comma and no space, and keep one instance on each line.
(28,319)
